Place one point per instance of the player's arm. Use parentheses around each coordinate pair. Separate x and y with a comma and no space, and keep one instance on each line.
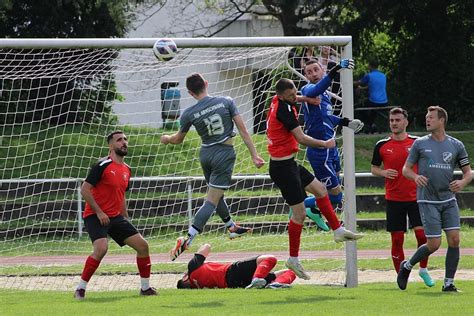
(204,250)
(257,160)
(86,192)
(123,211)
(410,174)
(174,139)
(309,141)
(458,185)
(377,162)
(199,258)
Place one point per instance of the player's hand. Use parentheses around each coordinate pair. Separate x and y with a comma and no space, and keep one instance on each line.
(258,161)
(456,185)
(421,181)
(356,125)
(165,139)
(330,143)
(391,173)
(103,218)
(347,63)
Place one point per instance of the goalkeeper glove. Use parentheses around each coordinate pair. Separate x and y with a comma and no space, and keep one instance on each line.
(355,125)
(347,63)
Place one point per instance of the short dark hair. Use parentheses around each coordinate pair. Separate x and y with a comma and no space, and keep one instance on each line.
(195,83)
(111,135)
(399,111)
(311,62)
(283,84)
(183,285)
(442,113)
(374,63)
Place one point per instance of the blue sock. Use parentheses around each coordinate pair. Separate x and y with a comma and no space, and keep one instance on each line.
(336,199)
(310,202)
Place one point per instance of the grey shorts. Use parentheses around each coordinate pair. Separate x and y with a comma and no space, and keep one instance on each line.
(217,163)
(438,217)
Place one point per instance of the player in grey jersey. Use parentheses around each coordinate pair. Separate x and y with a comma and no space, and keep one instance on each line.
(213,118)
(437,155)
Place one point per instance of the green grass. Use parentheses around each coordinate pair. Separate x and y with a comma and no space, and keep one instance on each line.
(367,299)
(310,240)
(37,151)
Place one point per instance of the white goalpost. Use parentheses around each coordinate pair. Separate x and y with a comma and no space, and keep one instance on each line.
(59,98)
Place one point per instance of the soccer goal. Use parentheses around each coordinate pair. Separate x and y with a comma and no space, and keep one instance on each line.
(59,98)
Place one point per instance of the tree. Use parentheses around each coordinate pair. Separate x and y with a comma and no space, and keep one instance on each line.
(84,87)
(433,53)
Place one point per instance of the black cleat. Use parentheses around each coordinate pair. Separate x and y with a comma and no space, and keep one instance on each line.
(149,292)
(450,288)
(402,277)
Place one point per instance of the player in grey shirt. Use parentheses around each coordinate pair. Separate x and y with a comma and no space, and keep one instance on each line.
(213,118)
(437,155)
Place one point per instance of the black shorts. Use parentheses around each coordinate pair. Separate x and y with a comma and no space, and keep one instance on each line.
(119,229)
(240,273)
(291,179)
(397,215)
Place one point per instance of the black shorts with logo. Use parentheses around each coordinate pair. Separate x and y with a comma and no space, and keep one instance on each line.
(240,273)
(119,229)
(397,215)
(291,179)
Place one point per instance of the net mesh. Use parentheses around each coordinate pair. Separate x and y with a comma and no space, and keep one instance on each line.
(57,107)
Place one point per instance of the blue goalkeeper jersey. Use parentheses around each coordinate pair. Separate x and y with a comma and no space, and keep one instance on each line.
(319,119)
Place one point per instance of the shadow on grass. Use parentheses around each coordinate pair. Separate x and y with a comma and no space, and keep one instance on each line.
(302,300)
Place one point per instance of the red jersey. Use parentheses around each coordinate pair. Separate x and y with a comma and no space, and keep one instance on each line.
(393,154)
(209,275)
(281,119)
(110,181)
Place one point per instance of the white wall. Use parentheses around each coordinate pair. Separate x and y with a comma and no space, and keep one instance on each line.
(141,92)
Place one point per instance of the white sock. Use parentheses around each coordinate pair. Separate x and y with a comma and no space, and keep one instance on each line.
(229,223)
(423,270)
(145,283)
(339,229)
(192,232)
(448,281)
(82,284)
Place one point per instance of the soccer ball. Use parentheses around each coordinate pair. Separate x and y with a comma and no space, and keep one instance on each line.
(165,49)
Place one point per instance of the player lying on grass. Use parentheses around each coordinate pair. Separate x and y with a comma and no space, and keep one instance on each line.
(251,273)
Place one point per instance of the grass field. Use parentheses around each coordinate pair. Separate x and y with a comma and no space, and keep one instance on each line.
(367,299)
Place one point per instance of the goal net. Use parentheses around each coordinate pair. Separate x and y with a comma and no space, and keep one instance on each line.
(60,98)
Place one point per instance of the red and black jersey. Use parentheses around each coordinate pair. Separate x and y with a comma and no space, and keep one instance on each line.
(110,180)
(281,119)
(393,154)
(207,275)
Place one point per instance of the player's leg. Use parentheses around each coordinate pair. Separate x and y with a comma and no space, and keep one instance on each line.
(396,214)
(283,280)
(431,217)
(124,233)
(417,226)
(452,226)
(98,235)
(265,264)
(321,199)
(286,176)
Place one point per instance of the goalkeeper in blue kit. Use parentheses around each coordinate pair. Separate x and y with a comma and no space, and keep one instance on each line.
(320,123)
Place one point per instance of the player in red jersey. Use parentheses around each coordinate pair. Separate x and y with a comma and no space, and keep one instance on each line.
(106,214)
(400,193)
(284,134)
(251,273)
